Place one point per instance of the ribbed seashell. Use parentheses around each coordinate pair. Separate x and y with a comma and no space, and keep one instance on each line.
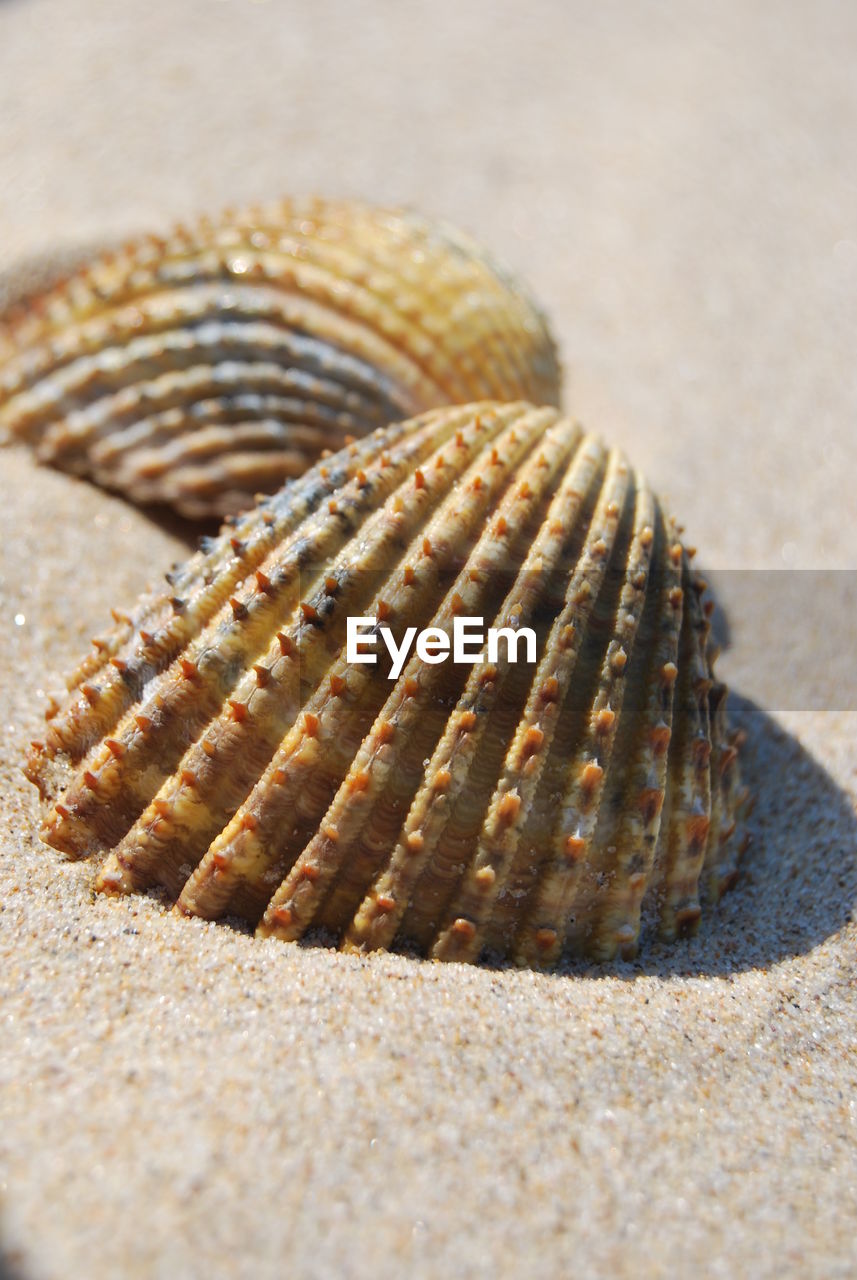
(200,369)
(218,742)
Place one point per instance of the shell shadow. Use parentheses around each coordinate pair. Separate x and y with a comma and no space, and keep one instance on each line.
(8,1269)
(11,1262)
(34,273)
(190,532)
(797,882)
(721,627)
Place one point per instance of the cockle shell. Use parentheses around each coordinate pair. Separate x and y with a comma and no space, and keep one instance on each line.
(199,369)
(219,744)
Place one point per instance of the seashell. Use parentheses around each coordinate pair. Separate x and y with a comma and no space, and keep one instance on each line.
(199,369)
(220,744)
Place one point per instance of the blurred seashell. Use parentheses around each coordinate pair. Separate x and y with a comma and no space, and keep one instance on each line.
(198,369)
(220,744)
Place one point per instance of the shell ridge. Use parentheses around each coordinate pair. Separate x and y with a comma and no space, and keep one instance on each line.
(474,501)
(75,429)
(236,769)
(466,726)
(482,572)
(508,845)
(486,564)
(290,313)
(689,776)
(634,830)
(207,580)
(508,831)
(507,792)
(542,372)
(370,301)
(503,787)
(218,665)
(112,366)
(296,421)
(544,925)
(389,316)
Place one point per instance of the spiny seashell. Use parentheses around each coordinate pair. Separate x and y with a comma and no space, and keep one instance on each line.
(219,743)
(199,369)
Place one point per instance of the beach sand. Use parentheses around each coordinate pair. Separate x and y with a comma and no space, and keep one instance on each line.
(678,183)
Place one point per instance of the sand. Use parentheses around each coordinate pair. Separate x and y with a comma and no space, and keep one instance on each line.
(678,183)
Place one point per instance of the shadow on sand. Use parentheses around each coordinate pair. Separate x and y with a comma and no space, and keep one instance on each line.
(11,1262)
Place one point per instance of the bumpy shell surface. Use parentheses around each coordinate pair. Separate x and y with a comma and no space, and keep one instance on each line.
(202,368)
(219,744)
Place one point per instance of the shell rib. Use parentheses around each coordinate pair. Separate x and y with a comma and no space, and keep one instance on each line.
(199,369)
(219,743)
